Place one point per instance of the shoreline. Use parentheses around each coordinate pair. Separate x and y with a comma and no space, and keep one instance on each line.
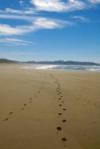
(34,67)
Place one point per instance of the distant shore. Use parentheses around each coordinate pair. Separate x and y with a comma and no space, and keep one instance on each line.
(70,68)
(57,62)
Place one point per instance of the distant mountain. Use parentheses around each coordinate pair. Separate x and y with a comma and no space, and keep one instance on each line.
(58,62)
(64,63)
(7,61)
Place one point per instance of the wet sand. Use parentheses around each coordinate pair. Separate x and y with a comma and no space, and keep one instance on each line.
(49,109)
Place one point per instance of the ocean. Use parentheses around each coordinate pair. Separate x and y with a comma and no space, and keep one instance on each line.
(63,67)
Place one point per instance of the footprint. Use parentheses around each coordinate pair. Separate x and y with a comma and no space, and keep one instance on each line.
(64,139)
(61,96)
(25,104)
(64,109)
(59,113)
(10,113)
(22,109)
(30,98)
(6,119)
(60,105)
(64,121)
(59,128)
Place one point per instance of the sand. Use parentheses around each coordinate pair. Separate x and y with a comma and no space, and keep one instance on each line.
(49,109)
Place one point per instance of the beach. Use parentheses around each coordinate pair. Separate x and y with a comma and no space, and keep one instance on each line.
(49,109)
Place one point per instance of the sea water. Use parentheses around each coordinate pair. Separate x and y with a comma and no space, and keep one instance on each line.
(62,67)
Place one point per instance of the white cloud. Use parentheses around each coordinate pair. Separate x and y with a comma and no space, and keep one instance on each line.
(49,5)
(18,17)
(58,5)
(28,11)
(18,30)
(48,23)
(10,10)
(80,18)
(14,41)
(36,24)
(8,30)
(61,6)
(94,1)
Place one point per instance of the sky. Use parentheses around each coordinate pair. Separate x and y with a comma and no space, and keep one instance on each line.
(50,30)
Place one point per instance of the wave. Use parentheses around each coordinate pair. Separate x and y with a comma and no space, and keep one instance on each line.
(40,67)
(63,67)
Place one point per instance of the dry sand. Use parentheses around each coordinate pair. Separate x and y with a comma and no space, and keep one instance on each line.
(49,109)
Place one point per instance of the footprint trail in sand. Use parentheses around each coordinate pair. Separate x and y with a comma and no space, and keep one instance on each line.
(12,114)
(61,105)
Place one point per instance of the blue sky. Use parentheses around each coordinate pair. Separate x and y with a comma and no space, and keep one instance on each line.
(50,30)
